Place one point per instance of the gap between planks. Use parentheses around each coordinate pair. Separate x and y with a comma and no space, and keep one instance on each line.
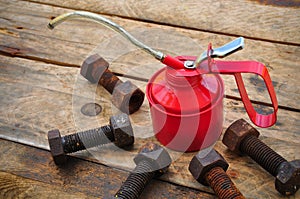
(168,24)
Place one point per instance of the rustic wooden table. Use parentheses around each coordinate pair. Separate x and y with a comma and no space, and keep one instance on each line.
(41,89)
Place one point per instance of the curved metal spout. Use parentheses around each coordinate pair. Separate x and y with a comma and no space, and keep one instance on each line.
(106,22)
(223,51)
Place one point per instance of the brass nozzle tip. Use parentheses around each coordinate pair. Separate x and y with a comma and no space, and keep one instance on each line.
(50,26)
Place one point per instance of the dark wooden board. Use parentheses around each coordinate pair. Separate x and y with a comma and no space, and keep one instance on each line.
(14,186)
(31,172)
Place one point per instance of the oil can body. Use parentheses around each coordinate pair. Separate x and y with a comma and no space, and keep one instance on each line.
(186,108)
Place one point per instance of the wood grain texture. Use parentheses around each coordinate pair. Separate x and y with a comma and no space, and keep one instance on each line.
(24,34)
(13,186)
(37,97)
(31,172)
(241,17)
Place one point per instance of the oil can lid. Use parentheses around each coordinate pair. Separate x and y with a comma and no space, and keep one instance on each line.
(177,93)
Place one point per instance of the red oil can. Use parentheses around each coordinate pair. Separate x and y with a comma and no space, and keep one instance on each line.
(186,104)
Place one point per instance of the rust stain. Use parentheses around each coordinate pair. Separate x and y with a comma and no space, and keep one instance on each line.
(149,147)
(233,173)
(7,32)
(280,3)
(11,50)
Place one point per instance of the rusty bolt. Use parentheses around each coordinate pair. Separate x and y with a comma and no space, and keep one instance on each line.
(125,96)
(241,137)
(210,170)
(118,131)
(152,161)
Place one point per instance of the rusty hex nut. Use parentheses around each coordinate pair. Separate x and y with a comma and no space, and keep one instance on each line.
(287,181)
(236,132)
(127,97)
(56,147)
(156,155)
(122,130)
(93,68)
(200,166)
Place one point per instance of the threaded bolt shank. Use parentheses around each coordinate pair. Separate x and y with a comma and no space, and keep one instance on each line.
(262,154)
(109,81)
(220,182)
(134,185)
(87,139)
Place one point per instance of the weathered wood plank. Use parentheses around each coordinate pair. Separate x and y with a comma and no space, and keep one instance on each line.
(12,186)
(31,172)
(241,17)
(37,97)
(24,34)
(70,89)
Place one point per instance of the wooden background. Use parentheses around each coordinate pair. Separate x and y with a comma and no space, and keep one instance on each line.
(41,89)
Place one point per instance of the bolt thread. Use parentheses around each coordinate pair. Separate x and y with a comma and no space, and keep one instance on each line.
(262,154)
(220,182)
(134,185)
(109,81)
(87,139)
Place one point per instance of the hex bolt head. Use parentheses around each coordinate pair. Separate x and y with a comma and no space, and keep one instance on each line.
(287,181)
(200,166)
(127,97)
(93,68)
(156,155)
(235,134)
(122,130)
(56,147)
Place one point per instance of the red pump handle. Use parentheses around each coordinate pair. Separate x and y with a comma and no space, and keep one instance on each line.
(236,68)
